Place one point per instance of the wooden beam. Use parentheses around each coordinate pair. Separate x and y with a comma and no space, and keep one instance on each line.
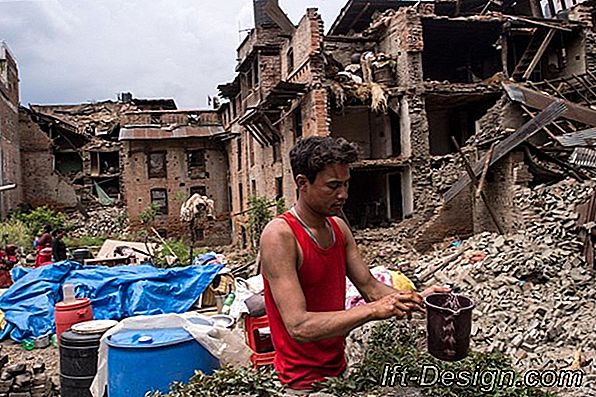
(578,92)
(540,101)
(538,55)
(584,82)
(547,116)
(472,177)
(487,160)
(504,56)
(539,23)
(355,20)
(546,129)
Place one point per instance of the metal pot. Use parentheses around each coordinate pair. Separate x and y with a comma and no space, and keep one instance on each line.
(448,330)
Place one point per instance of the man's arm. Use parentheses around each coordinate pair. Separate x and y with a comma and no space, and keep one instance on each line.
(279,259)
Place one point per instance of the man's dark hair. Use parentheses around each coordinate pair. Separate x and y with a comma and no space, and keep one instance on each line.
(310,155)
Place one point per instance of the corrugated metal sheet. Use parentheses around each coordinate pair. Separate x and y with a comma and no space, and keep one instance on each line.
(147,133)
(584,157)
(579,138)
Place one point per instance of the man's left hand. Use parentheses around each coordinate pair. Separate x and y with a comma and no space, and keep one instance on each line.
(435,289)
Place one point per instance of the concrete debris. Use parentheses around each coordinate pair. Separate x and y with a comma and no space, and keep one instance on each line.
(535,296)
(102,222)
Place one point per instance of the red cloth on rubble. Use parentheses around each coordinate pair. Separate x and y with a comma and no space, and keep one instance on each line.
(322,277)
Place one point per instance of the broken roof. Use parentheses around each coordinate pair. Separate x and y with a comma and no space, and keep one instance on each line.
(357,14)
(153,133)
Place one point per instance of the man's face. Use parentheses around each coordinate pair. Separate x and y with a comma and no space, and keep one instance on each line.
(329,192)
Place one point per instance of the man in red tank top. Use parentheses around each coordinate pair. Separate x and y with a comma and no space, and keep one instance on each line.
(306,255)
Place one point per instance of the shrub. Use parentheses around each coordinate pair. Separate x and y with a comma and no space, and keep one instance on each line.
(15,231)
(36,219)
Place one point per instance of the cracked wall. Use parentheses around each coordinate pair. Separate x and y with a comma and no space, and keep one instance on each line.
(41,184)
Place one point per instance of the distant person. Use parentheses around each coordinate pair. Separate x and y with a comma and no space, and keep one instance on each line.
(58,246)
(44,241)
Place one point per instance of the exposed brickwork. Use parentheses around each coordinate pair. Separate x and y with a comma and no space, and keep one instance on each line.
(178,184)
(10,165)
(41,184)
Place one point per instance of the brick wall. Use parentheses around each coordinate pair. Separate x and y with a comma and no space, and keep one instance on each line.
(10,165)
(137,185)
(403,40)
(41,184)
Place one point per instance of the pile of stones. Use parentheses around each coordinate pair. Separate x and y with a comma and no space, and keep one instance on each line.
(19,381)
(102,221)
(535,295)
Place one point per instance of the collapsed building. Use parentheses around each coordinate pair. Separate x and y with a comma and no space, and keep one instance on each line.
(410,83)
(407,82)
(71,153)
(135,153)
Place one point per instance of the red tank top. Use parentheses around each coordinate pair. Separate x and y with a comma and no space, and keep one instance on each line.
(322,277)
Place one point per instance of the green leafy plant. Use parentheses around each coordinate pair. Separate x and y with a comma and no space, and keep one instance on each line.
(180,196)
(259,214)
(36,219)
(228,381)
(389,345)
(280,206)
(147,216)
(15,231)
(182,251)
(84,241)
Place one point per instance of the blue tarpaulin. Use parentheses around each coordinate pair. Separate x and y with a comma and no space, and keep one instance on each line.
(115,293)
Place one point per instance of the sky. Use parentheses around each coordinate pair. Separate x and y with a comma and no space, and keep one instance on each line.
(74,51)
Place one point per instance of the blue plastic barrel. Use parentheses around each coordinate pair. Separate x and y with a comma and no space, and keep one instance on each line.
(144,360)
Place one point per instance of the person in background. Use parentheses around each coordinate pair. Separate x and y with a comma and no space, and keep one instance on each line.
(58,246)
(44,241)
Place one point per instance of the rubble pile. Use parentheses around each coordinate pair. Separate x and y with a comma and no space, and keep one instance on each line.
(102,222)
(447,169)
(19,381)
(535,295)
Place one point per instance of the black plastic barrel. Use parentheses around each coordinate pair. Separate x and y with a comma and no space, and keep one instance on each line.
(78,363)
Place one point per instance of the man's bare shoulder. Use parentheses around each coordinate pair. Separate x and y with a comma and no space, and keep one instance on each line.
(278,248)
(277,229)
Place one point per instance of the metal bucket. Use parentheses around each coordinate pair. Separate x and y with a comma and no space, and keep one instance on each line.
(448,330)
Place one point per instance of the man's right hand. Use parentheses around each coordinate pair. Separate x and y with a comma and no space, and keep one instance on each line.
(398,305)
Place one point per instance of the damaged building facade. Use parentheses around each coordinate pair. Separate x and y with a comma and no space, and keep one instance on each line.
(410,83)
(407,82)
(168,156)
(133,153)
(72,155)
(10,156)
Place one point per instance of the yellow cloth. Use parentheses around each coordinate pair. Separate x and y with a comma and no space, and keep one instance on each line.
(401,282)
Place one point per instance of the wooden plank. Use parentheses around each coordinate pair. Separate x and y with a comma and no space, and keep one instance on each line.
(538,100)
(487,160)
(584,82)
(538,23)
(539,53)
(472,177)
(547,116)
